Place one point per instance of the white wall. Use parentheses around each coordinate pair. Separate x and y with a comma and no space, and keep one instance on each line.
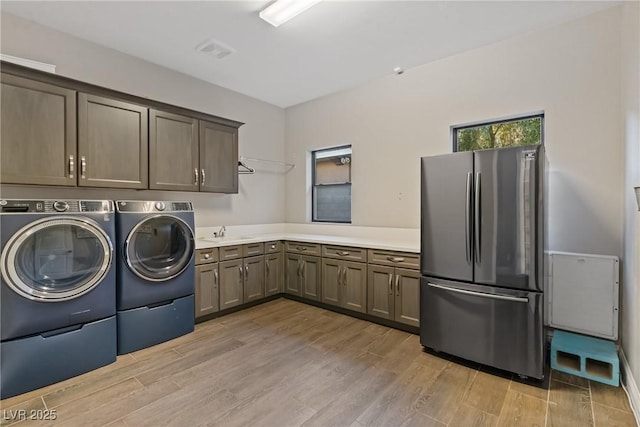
(631,135)
(571,72)
(261,196)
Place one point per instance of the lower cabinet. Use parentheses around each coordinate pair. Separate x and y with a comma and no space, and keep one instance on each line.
(231,281)
(380,283)
(344,284)
(253,278)
(303,274)
(241,279)
(207,293)
(394,294)
(273,274)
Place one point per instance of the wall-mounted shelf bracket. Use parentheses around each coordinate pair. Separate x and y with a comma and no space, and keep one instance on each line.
(249,170)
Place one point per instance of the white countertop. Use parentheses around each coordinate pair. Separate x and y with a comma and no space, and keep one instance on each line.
(404,240)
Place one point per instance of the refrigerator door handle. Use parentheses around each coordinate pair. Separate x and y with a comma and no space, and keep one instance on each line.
(467,218)
(478,218)
(480,294)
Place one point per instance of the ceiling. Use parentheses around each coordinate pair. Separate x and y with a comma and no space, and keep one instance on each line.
(330,47)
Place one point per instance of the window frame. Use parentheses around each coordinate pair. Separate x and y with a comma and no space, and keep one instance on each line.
(314,185)
(534,115)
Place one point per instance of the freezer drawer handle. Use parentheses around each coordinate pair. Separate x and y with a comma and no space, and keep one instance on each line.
(480,294)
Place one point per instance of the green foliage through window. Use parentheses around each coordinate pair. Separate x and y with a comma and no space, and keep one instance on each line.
(508,133)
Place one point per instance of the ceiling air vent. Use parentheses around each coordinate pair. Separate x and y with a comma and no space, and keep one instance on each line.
(215,48)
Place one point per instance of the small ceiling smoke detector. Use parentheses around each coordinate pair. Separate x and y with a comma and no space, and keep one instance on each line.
(215,48)
(398,70)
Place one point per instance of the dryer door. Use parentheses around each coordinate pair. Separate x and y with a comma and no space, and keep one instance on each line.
(56,259)
(159,248)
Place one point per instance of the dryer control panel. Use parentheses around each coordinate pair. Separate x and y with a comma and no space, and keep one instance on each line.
(151,206)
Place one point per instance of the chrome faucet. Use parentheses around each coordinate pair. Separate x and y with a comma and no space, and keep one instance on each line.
(220,233)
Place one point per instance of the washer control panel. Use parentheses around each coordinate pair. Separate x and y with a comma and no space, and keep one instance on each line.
(60,206)
(55,206)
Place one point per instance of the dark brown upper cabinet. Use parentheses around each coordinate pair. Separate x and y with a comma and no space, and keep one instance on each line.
(173,152)
(38,136)
(60,131)
(218,158)
(112,143)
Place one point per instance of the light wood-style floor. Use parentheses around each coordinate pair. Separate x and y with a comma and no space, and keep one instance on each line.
(284,363)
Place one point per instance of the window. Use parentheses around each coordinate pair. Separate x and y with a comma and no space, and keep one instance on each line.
(501,133)
(331,181)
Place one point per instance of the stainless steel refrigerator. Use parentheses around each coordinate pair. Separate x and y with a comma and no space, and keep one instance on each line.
(482,248)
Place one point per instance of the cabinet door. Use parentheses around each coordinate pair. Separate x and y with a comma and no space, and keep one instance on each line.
(331,281)
(38,133)
(112,143)
(207,289)
(380,293)
(293,267)
(231,278)
(173,152)
(354,289)
(274,274)
(407,300)
(218,158)
(253,278)
(311,275)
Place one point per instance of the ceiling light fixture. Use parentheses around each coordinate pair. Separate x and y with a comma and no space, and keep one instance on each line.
(280,11)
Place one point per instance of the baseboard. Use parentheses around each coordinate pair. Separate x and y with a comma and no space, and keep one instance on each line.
(631,386)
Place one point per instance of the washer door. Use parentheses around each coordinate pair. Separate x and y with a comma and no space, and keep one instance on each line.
(56,259)
(159,248)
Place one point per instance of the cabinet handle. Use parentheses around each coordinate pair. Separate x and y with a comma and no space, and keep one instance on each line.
(207,256)
(398,285)
(273,246)
(215,276)
(344,276)
(343,253)
(204,176)
(240,273)
(195,172)
(339,275)
(395,259)
(246,272)
(299,268)
(83,167)
(391,284)
(303,268)
(72,166)
(267,264)
(301,248)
